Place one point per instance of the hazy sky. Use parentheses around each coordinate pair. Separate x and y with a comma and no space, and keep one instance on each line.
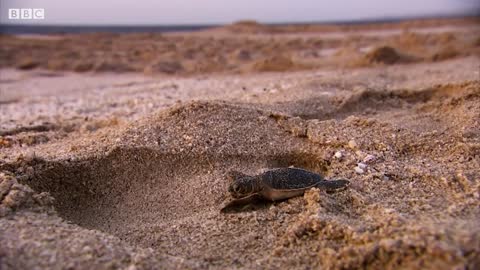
(225,11)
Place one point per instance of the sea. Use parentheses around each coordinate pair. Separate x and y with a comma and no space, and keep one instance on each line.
(66,29)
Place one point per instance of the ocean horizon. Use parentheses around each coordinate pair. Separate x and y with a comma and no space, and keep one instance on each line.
(165,28)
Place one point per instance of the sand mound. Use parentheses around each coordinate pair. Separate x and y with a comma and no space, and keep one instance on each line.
(384,55)
(445,53)
(81,66)
(242,55)
(275,63)
(164,66)
(164,163)
(27,63)
(248,27)
(169,169)
(411,41)
(476,42)
(247,23)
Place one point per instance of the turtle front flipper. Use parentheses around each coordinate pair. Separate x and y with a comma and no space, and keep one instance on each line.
(236,203)
(332,184)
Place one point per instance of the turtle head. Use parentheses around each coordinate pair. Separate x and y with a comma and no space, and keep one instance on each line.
(242,184)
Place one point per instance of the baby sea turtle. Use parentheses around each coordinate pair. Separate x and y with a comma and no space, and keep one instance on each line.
(276,184)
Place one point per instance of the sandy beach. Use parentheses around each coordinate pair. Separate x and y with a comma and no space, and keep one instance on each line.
(114,148)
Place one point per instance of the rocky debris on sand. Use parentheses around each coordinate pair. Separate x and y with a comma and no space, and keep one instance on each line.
(14,196)
(352,144)
(369,159)
(359,170)
(362,165)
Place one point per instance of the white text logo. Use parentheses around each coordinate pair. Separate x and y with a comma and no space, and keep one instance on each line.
(26,13)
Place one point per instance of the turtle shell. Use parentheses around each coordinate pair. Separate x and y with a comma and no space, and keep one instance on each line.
(290,179)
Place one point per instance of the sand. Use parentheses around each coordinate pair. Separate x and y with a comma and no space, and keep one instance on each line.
(128,171)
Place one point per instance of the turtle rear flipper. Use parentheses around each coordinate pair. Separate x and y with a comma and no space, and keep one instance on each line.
(332,184)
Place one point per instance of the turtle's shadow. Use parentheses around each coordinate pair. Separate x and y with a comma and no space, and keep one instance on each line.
(247,208)
(253,203)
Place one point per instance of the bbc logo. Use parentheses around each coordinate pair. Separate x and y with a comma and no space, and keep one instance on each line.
(26,13)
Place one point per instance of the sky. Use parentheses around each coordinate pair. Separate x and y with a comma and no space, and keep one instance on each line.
(138,12)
